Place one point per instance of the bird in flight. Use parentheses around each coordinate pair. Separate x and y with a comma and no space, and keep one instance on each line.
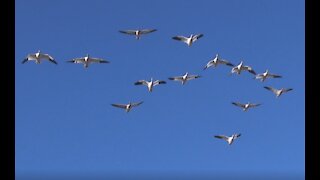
(149,84)
(186,77)
(265,75)
(278,92)
(38,56)
(87,60)
(216,61)
(127,107)
(229,139)
(188,40)
(237,69)
(138,32)
(246,106)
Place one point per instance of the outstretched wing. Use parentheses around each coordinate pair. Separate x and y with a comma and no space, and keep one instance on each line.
(221,137)
(274,76)
(131,32)
(223,61)
(287,90)
(177,78)
(238,104)
(196,37)
(119,105)
(157,82)
(180,38)
(193,77)
(146,31)
(98,60)
(48,57)
(136,104)
(248,68)
(140,82)
(254,105)
(271,89)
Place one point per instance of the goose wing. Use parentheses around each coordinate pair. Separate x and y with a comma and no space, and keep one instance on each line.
(98,60)
(271,89)
(190,77)
(146,31)
(29,57)
(254,105)
(180,38)
(136,104)
(140,82)
(238,104)
(221,137)
(48,57)
(274,76)
(223,61)
(196,37)
(120,105)
(287,90)
(76,60)
(209,64)
(157,82)
(176,78)
(248,68)
(131,32)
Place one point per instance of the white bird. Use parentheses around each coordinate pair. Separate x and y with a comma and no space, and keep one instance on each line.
(127,107)
(229,139)
(149,84)
(245,107)
(186,77)
(217,60)
(278,92)
(265,75)
(237,69)
(137,32)
(87,60)
(188,40)
(37,57)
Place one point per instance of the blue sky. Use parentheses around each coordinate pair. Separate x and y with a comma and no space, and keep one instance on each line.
(65,125)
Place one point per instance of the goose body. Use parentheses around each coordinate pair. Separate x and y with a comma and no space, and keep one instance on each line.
(237,69)
(278,92)
(38,57)
(216,61)
(265,75)
(229,139)
(138,32)
(128,106)
(246,106)
(186,77)
(149,84)
(188,40)
(87,60)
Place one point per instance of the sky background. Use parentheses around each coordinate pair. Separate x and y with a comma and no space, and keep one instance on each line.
(66,127)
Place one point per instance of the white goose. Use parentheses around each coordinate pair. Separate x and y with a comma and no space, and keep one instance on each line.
(245,107)
(137,32)
(278,92)
(149,84)
(37,57)
(217,60)
(265,75)
(87,60)
(127,107)
(186,77)
(237,69)
(229,139)
(188,40)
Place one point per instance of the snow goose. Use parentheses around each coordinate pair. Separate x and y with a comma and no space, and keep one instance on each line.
(217,60)
(245,107)
(265,75)
(186,77)
(137,32)
(188,40)
(229,139)
(278,92)
(127,107)
(237,69)
(87,60)
(149,84)
(37,57)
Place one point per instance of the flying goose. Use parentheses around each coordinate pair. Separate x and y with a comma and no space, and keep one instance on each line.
(186,77)
(229,139)
(87,60)
(245,107)
(217,60)
(37,57)
(237,69)
(188,40)
(127,107)
(278,92)
(265,75)
(137,32)
(149,84)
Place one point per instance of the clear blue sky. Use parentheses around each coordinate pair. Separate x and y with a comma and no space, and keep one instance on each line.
(65,124)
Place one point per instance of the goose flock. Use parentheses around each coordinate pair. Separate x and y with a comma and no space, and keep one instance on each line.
(87,60)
